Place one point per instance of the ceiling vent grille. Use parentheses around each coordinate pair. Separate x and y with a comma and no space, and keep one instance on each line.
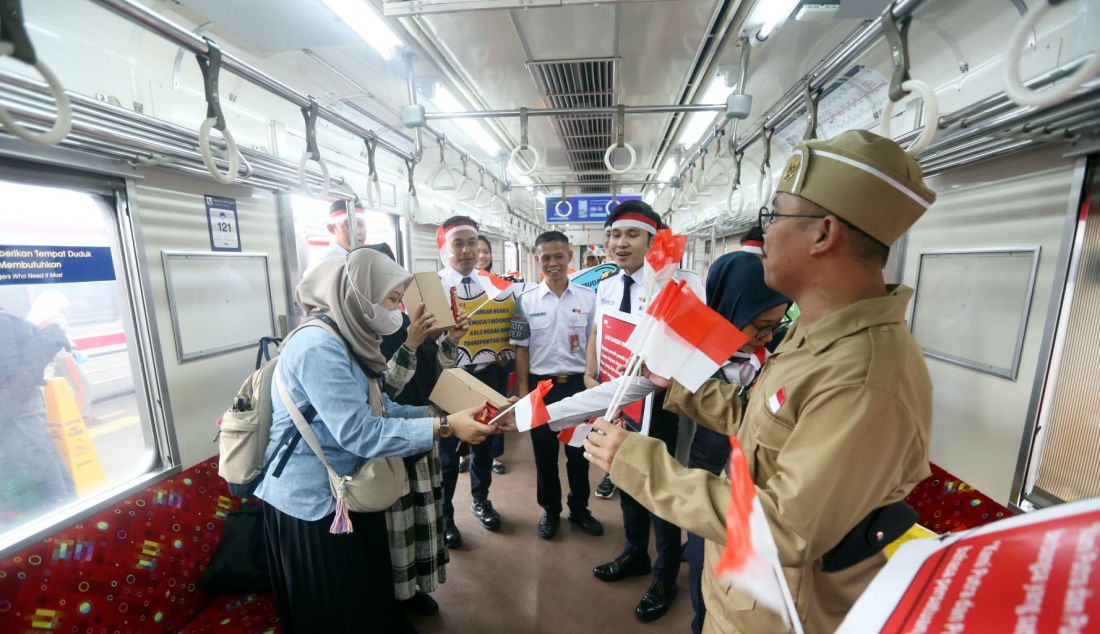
(581,83)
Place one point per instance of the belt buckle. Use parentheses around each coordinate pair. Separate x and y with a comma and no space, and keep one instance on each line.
(561,379)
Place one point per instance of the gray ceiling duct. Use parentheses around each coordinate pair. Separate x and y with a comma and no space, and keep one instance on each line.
(581,83)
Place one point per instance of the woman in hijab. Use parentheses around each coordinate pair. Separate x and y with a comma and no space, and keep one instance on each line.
(735,290)
(328,582)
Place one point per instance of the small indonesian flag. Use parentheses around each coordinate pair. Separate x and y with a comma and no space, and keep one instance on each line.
(758,358)
(683,339)
(750,560)
(530,410)
(662,259)
(493,284)
(574,436)
(775,401)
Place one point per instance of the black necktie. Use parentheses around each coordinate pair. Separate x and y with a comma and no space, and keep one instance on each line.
(624,304)
(466,282)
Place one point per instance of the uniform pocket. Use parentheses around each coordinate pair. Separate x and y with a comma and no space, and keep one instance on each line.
(771,432)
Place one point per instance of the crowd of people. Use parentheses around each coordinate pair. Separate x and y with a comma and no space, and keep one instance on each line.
(833,409)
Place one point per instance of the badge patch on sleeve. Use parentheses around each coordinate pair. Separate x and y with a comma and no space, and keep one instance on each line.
(775,401)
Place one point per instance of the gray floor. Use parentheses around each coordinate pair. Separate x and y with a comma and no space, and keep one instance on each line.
(511,581)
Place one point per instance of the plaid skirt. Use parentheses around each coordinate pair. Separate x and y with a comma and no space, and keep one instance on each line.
(416,527)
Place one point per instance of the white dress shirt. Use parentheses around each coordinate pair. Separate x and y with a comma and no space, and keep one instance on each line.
(559,328)
(609,293)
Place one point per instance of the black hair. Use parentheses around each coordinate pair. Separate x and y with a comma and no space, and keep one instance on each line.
(639,207)
(754,234)
(863,246)
(459,220)
(481,238)
(551,236)
(342,205)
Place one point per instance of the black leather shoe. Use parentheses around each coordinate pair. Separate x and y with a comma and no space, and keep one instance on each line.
(421,604)
(488,516)
(656,601)
(587,523)
(605,490)
(548,525)
(622,567)
(499,468)
(452,537)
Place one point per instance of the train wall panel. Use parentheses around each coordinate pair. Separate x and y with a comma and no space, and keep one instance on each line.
(978,418)
(173,218)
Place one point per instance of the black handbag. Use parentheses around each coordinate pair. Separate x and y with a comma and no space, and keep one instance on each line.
(881,527)
(239,563)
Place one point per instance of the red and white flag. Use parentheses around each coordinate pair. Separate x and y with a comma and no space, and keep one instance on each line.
(750,560)
(494,285)
(530,410)
(574,436)
(663,259)
(684,339)
(775,401)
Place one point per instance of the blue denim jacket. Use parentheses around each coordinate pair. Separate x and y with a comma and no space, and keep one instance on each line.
(316,370)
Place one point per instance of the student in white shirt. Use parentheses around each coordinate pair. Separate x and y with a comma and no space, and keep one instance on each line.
(633,225)
(550,329)
(338,227)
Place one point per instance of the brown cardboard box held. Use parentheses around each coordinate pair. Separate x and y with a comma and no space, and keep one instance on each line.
(427,289)
(457,390)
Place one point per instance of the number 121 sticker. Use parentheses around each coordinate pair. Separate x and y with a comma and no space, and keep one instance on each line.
(221,217)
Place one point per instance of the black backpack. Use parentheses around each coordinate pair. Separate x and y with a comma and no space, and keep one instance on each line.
(26,351)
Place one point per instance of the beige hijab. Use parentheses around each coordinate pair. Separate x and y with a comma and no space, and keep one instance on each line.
(344,289)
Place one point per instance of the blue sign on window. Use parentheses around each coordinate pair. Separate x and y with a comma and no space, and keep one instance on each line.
(583,208)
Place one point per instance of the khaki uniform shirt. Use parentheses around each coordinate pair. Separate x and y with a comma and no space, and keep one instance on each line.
(850,435)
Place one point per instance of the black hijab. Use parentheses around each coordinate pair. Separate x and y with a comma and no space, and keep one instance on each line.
(736,289)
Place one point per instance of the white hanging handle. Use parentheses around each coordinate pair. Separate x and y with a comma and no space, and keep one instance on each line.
(534,160)
(326,181)
(611,166)
(931,116)
(1017,42)
(61,125)
(230,175)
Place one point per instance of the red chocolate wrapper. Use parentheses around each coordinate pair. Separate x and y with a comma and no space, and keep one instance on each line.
(487,413)
(454,303)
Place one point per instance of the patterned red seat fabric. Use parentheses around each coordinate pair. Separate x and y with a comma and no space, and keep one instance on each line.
(133,567)
(946,503)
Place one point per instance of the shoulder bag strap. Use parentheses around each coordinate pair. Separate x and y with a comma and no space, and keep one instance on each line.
(303,425)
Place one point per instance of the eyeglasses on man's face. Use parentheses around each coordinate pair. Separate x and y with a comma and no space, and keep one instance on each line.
(766,216)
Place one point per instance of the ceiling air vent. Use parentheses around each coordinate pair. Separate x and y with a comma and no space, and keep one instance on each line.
(581,83)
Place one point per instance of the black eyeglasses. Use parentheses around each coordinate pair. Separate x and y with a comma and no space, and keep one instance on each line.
(765,217)
(770,330)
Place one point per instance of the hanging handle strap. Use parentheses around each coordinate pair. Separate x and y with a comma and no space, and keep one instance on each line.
(14,40)
(896,33)
(210,64)
(811,112)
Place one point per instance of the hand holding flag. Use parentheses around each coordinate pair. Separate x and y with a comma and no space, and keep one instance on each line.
(530,411)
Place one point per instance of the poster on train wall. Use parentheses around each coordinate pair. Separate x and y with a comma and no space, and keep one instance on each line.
(490,320)
(612,354)
(40,264)
(1035,572)
(221,218)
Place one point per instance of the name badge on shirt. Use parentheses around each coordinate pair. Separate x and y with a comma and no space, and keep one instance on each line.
(574,342)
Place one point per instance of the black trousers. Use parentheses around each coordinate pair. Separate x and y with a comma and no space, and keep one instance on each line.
(709,450)
(637,518)
(545,444)
(331,583)
(481,456)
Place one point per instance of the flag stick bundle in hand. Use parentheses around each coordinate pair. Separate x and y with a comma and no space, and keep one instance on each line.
(750,560)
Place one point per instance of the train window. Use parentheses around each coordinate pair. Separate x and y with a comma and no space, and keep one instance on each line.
(75,424)
(314,239)
(511,256)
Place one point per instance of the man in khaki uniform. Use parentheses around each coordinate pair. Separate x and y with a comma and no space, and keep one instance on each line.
(838,422)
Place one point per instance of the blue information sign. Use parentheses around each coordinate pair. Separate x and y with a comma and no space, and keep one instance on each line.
(583,208)
(31,264)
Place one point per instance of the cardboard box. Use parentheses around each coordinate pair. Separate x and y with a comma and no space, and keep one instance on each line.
(427,289)
(457,390)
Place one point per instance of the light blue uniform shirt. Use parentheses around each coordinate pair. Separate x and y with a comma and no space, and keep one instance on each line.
(317,371)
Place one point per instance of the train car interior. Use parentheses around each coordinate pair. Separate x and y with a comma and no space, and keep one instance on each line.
(170,171)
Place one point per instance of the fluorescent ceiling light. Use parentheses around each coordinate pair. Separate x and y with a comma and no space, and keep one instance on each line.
(699,122)
(360,16)
(444,101)
(668,170)
(769,15)
(650,197)
(519,178)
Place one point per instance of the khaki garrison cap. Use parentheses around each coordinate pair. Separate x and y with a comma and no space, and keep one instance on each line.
(861,177)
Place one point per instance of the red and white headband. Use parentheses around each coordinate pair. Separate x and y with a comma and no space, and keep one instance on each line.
(753,246)
(337,216)
(450,232)
(638,221)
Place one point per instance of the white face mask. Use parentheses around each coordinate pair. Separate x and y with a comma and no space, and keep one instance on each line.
(385,321)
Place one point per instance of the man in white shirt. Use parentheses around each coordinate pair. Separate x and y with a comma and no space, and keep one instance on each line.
(458,246)
(633,225)
(550,329)
(338,226)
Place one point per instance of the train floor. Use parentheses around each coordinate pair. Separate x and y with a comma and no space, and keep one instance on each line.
(511,581)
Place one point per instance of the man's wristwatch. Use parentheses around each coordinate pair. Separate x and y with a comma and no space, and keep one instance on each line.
(445,429)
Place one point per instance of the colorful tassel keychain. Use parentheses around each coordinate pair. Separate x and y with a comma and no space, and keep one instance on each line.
(341,523)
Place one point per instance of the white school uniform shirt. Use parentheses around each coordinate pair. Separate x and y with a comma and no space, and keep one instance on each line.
(610,291)
(559,328)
